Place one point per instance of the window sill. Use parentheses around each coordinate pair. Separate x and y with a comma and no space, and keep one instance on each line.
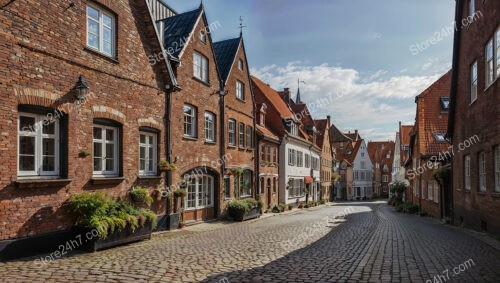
(241,148)
(481,193)
(149,177)
(210,142)
(202,81)
(32,183)
(188,138)
(231,146)
(106,180)
(491,84)
(198,208)
(240,100)
(100,54)
(496,194)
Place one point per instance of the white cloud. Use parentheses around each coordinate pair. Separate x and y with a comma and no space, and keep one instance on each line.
(372,107)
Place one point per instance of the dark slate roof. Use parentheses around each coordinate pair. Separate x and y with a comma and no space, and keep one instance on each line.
(177,30)
(225,51)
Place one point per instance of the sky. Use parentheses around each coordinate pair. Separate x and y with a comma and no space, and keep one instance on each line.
(361,61)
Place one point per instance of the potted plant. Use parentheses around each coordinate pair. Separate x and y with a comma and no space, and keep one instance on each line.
(301,205)
(164,165)
(180,193)
(109,221)
(290,207)
(282,207)
(245,209)
(140,195)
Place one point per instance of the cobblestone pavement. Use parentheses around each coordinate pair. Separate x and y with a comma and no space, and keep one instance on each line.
(373,244)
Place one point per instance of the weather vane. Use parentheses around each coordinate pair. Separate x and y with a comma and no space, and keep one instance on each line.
(241,26)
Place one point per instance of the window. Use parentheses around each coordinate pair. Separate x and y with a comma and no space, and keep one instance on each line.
(385,178)
(38,145)
(189,121)
(472,8)
(203,36)
(497,169)
(100,31)
(293,129)
(362,154)
(497,51)
(231,130)
(291,157)
(445,103)
(241,133)
(467,172)
(275,155)
(363,165)
(240,90)
(227,187)
(209,127)
(315,163)
(430,190)
(436,192)
(147,153)
(246,183)
(199,192)
(490,62)
(439,137)
(200,67)
(473,82)
(268,148)
(482,172)
(300,159)
(274,185)
(250,138)
(240,64)
(385,168)
(307,161)
(105,150)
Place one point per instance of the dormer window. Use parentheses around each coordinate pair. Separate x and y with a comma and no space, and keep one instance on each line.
(203,36)
(240,64)
(439,137)
(294,130)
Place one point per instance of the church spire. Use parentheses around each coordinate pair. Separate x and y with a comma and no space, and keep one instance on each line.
(298,100)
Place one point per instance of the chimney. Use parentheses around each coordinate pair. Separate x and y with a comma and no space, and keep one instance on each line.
(328,121)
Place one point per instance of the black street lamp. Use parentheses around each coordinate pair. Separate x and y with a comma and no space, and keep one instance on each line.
(82,88)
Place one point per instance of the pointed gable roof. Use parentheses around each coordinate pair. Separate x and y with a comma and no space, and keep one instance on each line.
(322,127)
(337,135)
(273,97)
(177,29)
(225,53)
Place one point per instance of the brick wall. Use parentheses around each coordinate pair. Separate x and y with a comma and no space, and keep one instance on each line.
(472,208)
(42,53)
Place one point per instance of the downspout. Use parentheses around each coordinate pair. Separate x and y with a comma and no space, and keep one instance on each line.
(255,147)
(222,131)
(168,150)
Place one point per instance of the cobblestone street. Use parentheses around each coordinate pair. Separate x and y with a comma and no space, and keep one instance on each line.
(373,244)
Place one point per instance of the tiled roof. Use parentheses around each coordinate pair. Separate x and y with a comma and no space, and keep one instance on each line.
(353,136)
(336,135)
(177,29)
(431,119)
(378,152)
(225,52)
(266,132)
(273,97)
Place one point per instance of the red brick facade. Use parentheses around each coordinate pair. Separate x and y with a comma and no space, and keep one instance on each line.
(475,123)
(43,52)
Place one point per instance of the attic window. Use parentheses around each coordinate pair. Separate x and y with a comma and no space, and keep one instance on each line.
(439,137)
(240,64)
(445,103)
(349,152)
(203,36)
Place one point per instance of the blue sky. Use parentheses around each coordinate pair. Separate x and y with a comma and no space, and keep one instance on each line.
(354,55)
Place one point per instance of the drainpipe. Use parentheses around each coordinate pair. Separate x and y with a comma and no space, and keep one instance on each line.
(168,150)
(222,131)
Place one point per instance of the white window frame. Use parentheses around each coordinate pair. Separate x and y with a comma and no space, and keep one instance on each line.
(249,136)
(430,191)
(472,8)
(307,161)
(497,168)
(154,146)
(293,129)
(240,90)
(203,36)
(200,67)
(300,159)
(242,179)
(473,82)
(103,142)
(241,135)
(38,134)
(497,52)
(209,127)
(436,192)
(490,62)
(291,157)
(240,64)
(385,178)
(197,183)
(467,177)
(231,130)
(101,24)
(482,171)
(193,121)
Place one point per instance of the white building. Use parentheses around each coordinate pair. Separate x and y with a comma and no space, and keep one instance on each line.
(362,185)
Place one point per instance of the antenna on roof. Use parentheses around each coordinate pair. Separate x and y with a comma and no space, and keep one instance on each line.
(241,26)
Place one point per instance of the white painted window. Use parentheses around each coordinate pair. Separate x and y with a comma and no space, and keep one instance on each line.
(385,178)
(300,159)
(472,8)
(240,90)
(209,127)
(101,30)
(38,145)
(106,146)
(482,172)
(241,134)
(240,64)
(199,192)
(436,192)
(430,191)
(363,165)
(246,183)
(497,169)
(490,62)
(307,159)
(200,66)
(203,36)
(291,157)
(249,137)
(467,183)
(147,153)
(189,121)
(231,129)
(473,82)
(294,131)
(497,51)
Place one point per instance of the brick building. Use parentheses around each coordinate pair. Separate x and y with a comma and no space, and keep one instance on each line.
(268,144)
(238,135)
(341,144)
(326,159)
(55,143)
(428,147)
(382,156)
(475,115)
(195,109)
(401,150)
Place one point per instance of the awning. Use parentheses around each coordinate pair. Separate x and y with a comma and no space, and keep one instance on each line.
(308,179)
